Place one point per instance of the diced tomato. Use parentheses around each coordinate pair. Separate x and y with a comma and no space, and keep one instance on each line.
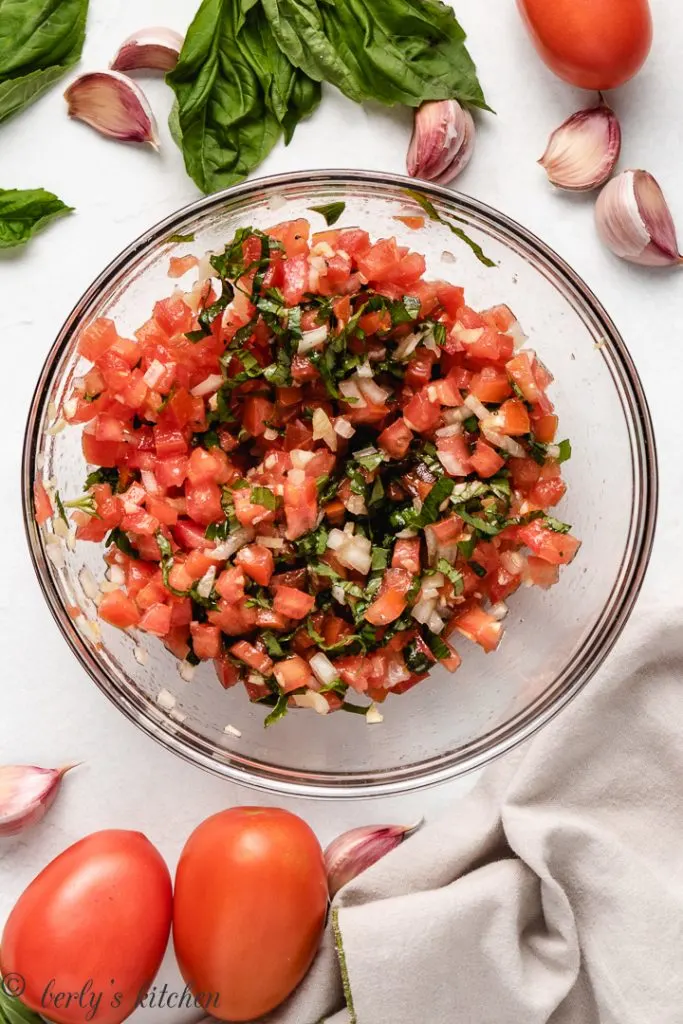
(189,535)
(97,338)
(556,548)
(406,554)
(512,418)
(386,609)
(501,584)
(257,562)
(293,603)
(173,316)
(520,369)
(451,298)
(374,323)
(179,265)
(258,413)
(419,368)
(203,502)
(491,384)
(545,427)
(169,441)
(102,453)
(541,573)
(485,460)
(118,609)
(197,564)
(550,488)
(292,674)
(230,585)
(294,236)
(421,413)
(228,673)
(480,627)
(295,279)
(524,472)
(301,505)
(252,657)
(41,503)
(233,619)
(206,640)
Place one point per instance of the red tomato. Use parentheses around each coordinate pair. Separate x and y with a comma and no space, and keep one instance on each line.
(485,461)
(295,283)
(292,603)
(206,640)
(421,413)
(301,506)
(41,502)
(249,879)
(118,609)
(556,548)
(407,554)
(294,236)
(293,673)
(252,657)
(477,625)
(203,503)
(257,562)
(99,911)
(258,413)
(596,44)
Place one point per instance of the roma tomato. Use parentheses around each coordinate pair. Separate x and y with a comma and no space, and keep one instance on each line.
(100,912)
(595,44)
(249,908)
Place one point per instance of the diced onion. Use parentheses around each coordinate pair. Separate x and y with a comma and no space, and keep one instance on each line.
(407,346)
(372,391)
(468,335)
(269,434)
(166,700)
(228,548)
(116,574)
(450,431)
(204,268)
(205,585)
(56,555)
(350,390)
(356,553)
(436,623)
(154,373)
(232,731)
(322,668)
(149,481)
(430,342)
(338,594)
(311,339)
(405,534)
(499,610)
(186,671)
(364,370)
(423,610)
(343,427)
(452,464)
(373,715)
(513,562)
(140,655)
(60,528)
(208,386)
(300,459)
(322,249)
(397,672)
(272,542)
(456,415)
(336,539)
(323,429)
(477,407)
(553,451)
(311,699)
(70,408)
(350,528)
(177,716)
(355,504)
(89,583)
(508,444)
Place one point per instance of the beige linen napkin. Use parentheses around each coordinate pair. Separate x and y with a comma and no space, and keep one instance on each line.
(552,893)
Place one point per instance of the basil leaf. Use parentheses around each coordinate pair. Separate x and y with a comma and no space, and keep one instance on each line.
(273,645)
(13,1011)
(565,451)
(331,212)
(236,93)
(433,214)
(23,212)
(122,541)
(452,574)
(39,42)
(181,238)
(279,711)
(416,660)
(102,476)
(430,511)
(394,51)
(555,525)
(265,497)
(438,647)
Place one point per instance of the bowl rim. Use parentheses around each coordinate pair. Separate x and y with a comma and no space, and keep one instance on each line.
(290,782)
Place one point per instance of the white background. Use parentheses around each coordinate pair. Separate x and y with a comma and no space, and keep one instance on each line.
(50,711)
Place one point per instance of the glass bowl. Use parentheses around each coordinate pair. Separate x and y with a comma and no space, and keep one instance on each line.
(555,640)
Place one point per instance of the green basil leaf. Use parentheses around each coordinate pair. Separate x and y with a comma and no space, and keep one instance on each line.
(23,212)
(555,525)
(13,1011)
(39,42)
(452,574)
(565,451)
(438,647)
(433,214)
(331,212)
(181,238)
(265,497)
(122,541)
(279,711)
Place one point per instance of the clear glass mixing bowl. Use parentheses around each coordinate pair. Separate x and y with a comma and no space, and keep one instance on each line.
(555,640)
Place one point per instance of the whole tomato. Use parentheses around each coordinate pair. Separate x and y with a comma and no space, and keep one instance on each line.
(88,934)
(594,44)
(249,909)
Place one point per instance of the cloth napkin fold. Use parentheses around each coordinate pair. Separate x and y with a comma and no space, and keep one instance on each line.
(552,893)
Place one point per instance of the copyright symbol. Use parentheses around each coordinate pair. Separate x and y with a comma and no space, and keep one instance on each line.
(13,985)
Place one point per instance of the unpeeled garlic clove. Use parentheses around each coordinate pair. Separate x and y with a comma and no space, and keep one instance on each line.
(634,221)
(582,153)
(26,793)
(442,142)
(154,48)
(357,850)
(114,105)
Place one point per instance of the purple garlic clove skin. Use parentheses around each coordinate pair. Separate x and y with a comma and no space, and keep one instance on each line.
(582,153)
(113,105)
(26,793)
(357,850)
(635,223)
(442,143)
(156,49)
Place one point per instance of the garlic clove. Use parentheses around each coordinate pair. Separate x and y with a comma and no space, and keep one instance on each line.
(442,142)
(357,850)
(582,153)
(113,105)
(26,793)
(154,48)
(634,221)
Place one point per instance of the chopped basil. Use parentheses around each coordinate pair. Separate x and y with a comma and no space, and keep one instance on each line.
(279,711)
(181,238)
(108,475)
(273,645)
(416,660)
(479,570)
(122,542)
(85,504)
(60,508)
(433,214)
(330,211)
(452,573)
(370,462)
(265,497)
(336,686)
(555,525)
(377,492)
(437,646)
(380,558)
(471,424)
(565,450)
(355,709)
(466,547)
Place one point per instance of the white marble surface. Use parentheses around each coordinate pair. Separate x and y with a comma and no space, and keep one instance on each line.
(51,712)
